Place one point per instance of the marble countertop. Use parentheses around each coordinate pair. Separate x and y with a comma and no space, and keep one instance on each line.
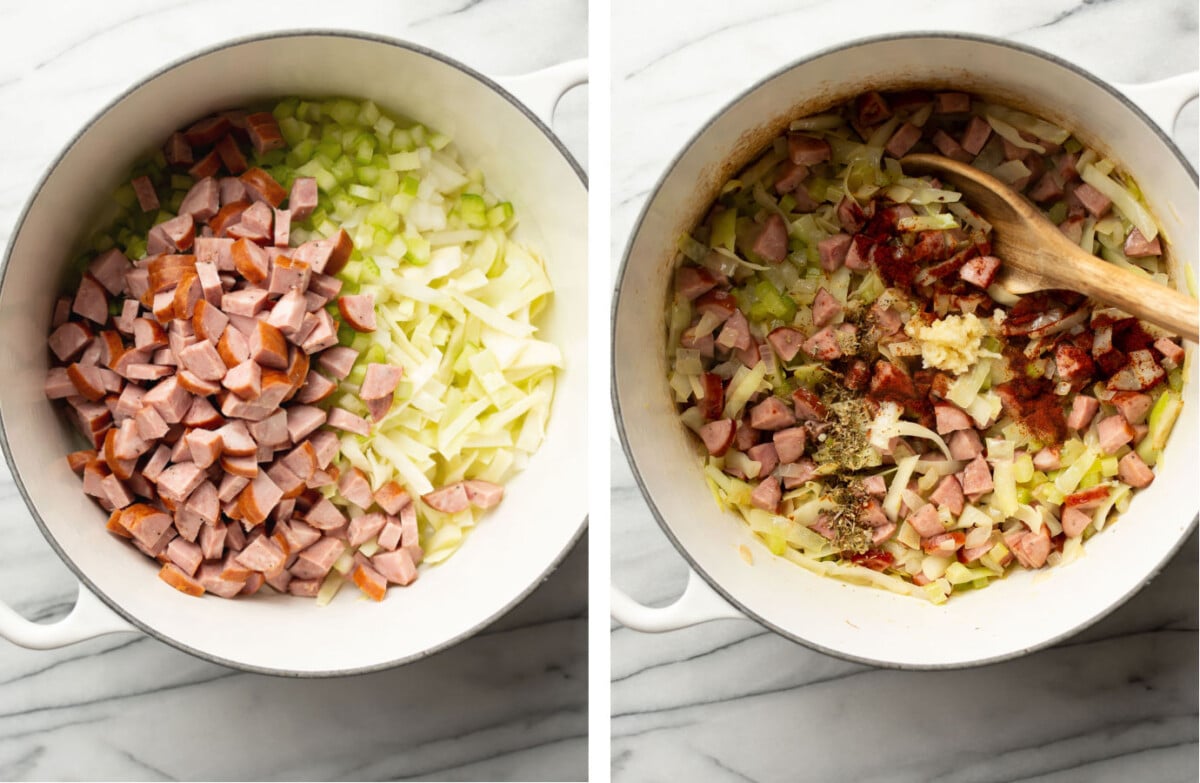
(509,704)
(730,701)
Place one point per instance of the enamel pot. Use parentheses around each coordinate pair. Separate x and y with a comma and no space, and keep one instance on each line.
(1026,610)
(545,507)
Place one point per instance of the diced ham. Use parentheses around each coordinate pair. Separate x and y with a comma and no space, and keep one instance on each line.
(303,198)
(325,516)
(1074,521)
(110,269)
(244,380)
(735,334)
(977,477)
(206,166)
(1133,405)
(976,135)
(143,188)
(1032,549)
(322,336)
(208,322)
(91,300)
(1049,458)
(258,499)
(790,177)
(261,186)
(316,560)
(1171,351)
(185,554)
(358,311)
(825,308)
(903,140)
(202,201)
(951,103)
(785,341)
(1136,245)
(288,274)
(1073,364)
(68,340)
(1083,409)
(789,443)
(247,302)
(824,344)
(766,456)
(875,486)
(483,494)
(808,406)
(303,420)
(380,381)
(767,495)
(177,578)
(177,151)
(396,566)
(264,132)
(316,388)
(951,418)
(369,581)
(391,497)
(1048,188)
(288,313)
(980,271)
(771,241)
(450,499)
(718,436)
(1093,200)
(262,555)
(1133,471)
(354,487)
(771,414)
(693,281)
(926,522)
(1114,432)
(946,145)
(59,384)
(807,150)
(338,361)
(203,360)
(365,527)
(249,260)
(832,250)
(949,493)
(178,481)
(267,346)
(342,419)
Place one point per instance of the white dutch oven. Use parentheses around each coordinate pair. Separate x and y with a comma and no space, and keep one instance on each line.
(504,559)
(1019,614)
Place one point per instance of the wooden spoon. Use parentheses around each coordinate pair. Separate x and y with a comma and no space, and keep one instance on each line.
(1037,256)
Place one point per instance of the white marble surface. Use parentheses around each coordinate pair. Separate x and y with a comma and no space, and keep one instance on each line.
(508,704)
(731,701)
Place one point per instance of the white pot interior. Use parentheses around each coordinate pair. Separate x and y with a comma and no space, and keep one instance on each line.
(544,507)
(1012,616)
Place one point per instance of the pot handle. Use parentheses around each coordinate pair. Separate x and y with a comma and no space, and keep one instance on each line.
(541,90)
(90,618)
(698,604)
(1164,99)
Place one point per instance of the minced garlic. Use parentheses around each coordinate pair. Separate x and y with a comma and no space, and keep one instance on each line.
(951,343)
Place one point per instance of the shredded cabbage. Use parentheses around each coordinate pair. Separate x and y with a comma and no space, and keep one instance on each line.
(456,300)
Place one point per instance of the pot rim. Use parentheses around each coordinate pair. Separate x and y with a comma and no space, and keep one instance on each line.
(616,300)
(87,583)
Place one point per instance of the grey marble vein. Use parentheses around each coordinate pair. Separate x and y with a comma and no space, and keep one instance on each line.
(731,701)
(509,704)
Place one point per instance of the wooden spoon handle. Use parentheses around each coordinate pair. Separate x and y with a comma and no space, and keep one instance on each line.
(1158,304)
